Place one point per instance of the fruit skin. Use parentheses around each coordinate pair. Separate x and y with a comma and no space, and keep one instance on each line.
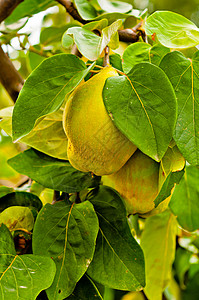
(137,183)
(94,143)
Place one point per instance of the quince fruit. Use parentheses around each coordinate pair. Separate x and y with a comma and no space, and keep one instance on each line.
(137,183)
(140,180)
(94,142)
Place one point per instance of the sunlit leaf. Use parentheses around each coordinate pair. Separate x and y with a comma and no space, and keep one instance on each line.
(92,45)
(17,217)
(158,244)
(172,30)
(48,136)
(29,8)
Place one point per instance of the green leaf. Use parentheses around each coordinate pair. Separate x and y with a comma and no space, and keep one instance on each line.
(4,190)
(172,30)
(67,234)
(52,173)
(171,180)
(182,264)
(184,201)
(99,25)
(142,52)
(85,290)
(24,276)
(20,199)
(85,9)
(158,244)
(92,45)
(183,74)
(118,260)
(51,35)
(28,8)
(45,89)
(143,107)
(48,136)
(191,291)
(114,6)
(17,217)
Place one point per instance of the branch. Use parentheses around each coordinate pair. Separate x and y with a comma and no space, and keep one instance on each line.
(9,76)
(6,8)
(125,35)
(69,6)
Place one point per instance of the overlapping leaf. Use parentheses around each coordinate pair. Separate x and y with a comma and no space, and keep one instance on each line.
(48,136)
(66,233)
(92,45)
(24,276)
(142,52)
(52,173)
(45,89)
(172,30)
(28,8)
(158,257)
(184,201)
(118,260)
(184,76)
(21,199)
(17,217)
(143,107)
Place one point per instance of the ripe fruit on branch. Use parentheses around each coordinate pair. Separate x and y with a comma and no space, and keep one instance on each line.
(137,183)
(94,143)
(140,180)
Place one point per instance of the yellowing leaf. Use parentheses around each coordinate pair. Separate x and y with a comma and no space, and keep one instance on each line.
(48,135)
(17,217)
(158,244)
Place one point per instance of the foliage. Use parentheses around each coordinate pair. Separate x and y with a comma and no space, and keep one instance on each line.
(65,231)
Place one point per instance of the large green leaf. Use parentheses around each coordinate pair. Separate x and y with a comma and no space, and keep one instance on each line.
(45,89)
(92,45)
(17,217)
(143,107)
(66,233)
(28,8)
(47,136)
(184,76)
(85,290)
(140,52)
(52,173)
(184,201)
(85,9)
(24,276)
(172,30)
(118,260)
(158,244)
(20,199)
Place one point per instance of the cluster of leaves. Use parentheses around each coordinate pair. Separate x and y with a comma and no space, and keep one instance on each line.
(84,241)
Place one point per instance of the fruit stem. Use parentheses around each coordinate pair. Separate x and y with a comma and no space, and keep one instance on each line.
(106,61)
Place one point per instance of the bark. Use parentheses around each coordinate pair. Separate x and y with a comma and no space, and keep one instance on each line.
(6,8)
(9,76)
